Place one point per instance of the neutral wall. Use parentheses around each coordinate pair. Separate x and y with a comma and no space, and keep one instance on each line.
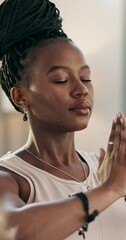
(97,27)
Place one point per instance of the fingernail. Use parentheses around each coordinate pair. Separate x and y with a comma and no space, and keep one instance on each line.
(118,115)
(115,121)
(121,120)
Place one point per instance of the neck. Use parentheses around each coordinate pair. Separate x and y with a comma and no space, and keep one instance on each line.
(59,147)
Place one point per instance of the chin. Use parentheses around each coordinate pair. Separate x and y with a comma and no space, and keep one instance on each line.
(82,127)
(78,127)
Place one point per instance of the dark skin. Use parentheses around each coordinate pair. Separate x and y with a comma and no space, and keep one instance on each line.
(59,84)
(58,96)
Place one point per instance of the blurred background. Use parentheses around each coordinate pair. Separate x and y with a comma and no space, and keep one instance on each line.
(98,27)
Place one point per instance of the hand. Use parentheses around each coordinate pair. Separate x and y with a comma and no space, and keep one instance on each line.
(101,163)
(113,163)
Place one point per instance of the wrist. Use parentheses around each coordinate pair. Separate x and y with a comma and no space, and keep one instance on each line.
(114,189)
(89,217)
(102,197)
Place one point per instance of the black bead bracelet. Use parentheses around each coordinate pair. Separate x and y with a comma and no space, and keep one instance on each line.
(90,217)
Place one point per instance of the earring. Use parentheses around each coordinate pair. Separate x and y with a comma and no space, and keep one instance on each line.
(25,117)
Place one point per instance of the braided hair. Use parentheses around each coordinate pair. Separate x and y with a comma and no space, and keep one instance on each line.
(23,24)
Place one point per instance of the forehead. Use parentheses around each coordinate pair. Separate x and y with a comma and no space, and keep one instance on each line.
(58,51)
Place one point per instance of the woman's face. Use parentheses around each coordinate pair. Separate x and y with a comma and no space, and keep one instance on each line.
(59,95)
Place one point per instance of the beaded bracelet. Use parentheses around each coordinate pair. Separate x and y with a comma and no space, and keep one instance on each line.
(89,218)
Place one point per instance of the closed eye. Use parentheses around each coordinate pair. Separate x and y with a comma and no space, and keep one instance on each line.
(60,81)
(86,80)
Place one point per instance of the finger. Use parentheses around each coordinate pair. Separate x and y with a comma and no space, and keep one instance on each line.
(120,130)
(111,137)
(123,137)
(114,140)
(102,155)
(117,134)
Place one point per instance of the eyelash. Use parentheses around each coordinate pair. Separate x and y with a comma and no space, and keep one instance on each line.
(61,82)
(86,80)
(83,80)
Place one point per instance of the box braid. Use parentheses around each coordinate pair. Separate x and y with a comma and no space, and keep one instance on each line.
(23,24)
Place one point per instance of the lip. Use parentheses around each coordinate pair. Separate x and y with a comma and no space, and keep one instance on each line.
(83,108)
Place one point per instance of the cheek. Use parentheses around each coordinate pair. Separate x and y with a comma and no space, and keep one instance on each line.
(91,95)
(49,108)
(49,101)
(91,91)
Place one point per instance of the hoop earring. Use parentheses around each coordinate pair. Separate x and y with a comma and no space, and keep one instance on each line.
(25,117)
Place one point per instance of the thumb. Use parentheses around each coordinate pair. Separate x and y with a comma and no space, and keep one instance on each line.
(101,173)
(102,155)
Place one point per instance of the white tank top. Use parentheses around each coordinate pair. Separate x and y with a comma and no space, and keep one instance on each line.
(109,225)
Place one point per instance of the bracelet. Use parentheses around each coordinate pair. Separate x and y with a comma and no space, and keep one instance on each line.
(89,218)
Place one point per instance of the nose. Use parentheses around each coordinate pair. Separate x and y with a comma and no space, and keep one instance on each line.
(79,90)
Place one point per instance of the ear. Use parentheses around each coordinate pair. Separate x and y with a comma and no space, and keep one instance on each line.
(18,97)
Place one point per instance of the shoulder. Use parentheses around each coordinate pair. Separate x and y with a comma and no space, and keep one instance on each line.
(8,183)
(11,180)
(8,160)
(5,171)
(9,155)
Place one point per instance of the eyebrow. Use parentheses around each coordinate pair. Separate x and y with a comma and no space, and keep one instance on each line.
(55,68)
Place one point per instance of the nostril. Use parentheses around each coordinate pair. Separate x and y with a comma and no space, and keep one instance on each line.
(81,92)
